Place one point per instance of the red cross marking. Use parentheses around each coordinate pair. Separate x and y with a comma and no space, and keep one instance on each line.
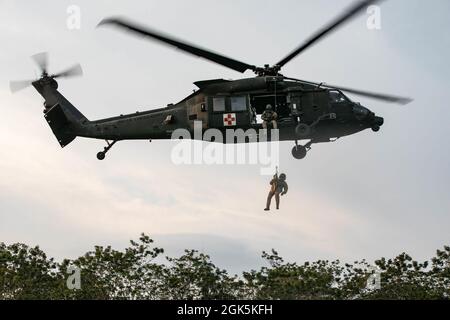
(229,119)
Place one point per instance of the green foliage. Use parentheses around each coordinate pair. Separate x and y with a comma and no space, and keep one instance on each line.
(27,273)
(111,274)
(194,276)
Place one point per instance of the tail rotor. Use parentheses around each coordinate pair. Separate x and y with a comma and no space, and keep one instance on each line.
(41,60)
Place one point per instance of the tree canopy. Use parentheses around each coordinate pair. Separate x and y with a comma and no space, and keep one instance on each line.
(105,273)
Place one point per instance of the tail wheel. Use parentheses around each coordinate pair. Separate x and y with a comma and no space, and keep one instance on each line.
(102,154)
(302,130)
(299,152)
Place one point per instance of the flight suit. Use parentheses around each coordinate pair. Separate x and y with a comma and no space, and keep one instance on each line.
(269,116)
(279,186)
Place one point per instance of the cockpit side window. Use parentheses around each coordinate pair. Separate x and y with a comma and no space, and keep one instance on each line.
(337,97)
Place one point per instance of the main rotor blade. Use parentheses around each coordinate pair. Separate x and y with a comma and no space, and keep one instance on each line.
(340,20)
(41,60)
(74,71)
(19,85)
(192,49)
(374,95)
(368,94)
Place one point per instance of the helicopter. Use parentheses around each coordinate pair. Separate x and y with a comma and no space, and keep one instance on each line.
(306,110)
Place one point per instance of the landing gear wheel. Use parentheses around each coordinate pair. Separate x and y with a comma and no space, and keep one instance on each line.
(302,130)
(299,152)
(376,128)
(101,156)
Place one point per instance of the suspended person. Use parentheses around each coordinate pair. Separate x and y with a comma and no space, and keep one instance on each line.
(279,187)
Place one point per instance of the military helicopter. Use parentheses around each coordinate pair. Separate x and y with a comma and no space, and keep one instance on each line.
(306,110)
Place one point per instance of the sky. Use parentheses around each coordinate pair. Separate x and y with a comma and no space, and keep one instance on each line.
(365,196)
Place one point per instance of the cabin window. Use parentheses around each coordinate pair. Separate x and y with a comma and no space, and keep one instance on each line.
(168,120)
(238,103)
(219,104)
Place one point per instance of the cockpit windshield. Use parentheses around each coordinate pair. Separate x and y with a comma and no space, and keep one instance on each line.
(337,97)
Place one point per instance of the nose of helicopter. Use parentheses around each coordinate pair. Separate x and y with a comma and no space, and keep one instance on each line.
(367,116)
(376,122)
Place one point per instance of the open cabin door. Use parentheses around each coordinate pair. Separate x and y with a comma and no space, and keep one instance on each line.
(294,101)
(309,105)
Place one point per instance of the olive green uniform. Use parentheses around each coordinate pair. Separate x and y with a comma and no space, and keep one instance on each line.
(279,186)
(269,116)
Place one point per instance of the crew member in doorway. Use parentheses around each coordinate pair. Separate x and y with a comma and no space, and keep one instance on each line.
(269,117)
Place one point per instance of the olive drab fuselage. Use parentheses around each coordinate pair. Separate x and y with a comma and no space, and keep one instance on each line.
(294,102)
(305,112)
